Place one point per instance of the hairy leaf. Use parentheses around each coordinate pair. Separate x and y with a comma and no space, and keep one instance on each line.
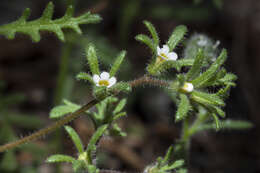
(62,110)
(75,138)
(147,41)
(196,67)
(93,141)
(60,158)
(153,32)
(183,108)
(117,63)
(206,76)
(176,36)
(92,59)
(207,99)
(84,76)
(45,23)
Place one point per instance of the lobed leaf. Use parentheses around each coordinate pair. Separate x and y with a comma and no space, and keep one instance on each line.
(75,138)
(46,23)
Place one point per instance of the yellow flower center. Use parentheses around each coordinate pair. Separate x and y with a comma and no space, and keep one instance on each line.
(103,83)
(160,58)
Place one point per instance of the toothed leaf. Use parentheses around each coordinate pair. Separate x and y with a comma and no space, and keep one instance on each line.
(196,67)
(117,63)
(92,59)
(147,41)
(153,32)
(183,108)
(46,23)
(207,99)
(206,76)
(177,36)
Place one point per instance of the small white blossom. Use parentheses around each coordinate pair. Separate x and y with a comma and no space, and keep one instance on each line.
(104,79)
(188,87)
(202,41)
(164,54)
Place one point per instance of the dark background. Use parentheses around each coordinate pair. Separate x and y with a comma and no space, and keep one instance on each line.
(32,69)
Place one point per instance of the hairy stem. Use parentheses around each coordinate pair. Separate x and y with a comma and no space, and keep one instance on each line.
(65,120)
(50,128)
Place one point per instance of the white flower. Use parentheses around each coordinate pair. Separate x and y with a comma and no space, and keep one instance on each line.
(202,42)
(164,54)
(104,79)
(187,87)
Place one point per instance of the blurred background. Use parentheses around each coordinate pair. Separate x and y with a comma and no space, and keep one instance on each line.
(34,77)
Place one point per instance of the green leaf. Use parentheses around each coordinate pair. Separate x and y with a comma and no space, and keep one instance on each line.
(92,59)
(85,76)
(60,158)
(117,63)
(227,124)
(116,131)
(168,155)
(217,122)
(119,115)
(120,106)
(228,79)
(183,108)
(207,75)
(121,87)
(45,23)
(176,164)
(182,171)
(176,36)
(93,141)
(147,41)
(75,138)
(207,99)
(224,92)
(62,110)
(196,67)
(153,32)
(236,124)
(79,166)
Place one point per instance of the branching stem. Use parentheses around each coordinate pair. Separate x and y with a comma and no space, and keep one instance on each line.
(65,120)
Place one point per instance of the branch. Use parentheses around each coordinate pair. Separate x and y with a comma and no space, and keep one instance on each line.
(140,81)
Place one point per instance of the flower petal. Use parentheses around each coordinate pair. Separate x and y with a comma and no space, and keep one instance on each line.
(165,49)
(104,75)
(172,56)
(96,78)
(158,50)
(111,81)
